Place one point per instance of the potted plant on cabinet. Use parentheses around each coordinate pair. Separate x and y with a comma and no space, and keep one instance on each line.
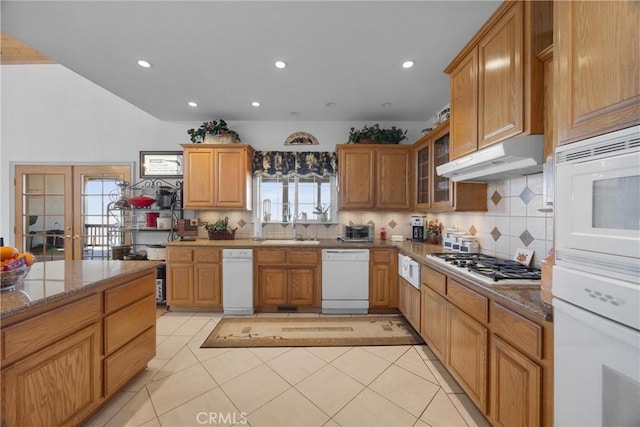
(220,229)
(375,135)
(215,131)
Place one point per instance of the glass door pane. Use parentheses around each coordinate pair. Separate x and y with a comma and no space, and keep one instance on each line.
(424,182)
(43,211)
(441,193)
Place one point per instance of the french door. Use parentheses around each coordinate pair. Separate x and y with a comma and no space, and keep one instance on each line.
(61,211)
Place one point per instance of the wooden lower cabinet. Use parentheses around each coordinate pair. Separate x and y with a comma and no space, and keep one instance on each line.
(516,387)
(409,303)
(60,364)
(383,279)
(466,354)
(194,277)
(433,321)
(287,278)
(502,357)
(59,385)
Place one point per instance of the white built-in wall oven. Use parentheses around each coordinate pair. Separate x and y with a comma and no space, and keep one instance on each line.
(596,281)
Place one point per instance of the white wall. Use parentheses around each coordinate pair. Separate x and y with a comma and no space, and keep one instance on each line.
(52,115)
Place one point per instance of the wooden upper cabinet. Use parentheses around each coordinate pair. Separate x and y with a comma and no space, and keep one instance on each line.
(217,176)
(597,62)
(496,80)
(356,178)
(464,103)
(371,176)
(393,175)
(500,79)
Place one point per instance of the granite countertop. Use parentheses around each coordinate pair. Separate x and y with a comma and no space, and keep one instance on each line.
(55,280)
(527,298)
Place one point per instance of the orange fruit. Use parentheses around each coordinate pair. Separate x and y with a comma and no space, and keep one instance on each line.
(29,259)
(7,252)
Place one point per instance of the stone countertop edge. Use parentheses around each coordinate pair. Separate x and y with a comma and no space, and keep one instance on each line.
(529,299)
(79,277)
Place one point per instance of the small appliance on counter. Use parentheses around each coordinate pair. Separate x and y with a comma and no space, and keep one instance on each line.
(418,228)
(358,233)
(188,229)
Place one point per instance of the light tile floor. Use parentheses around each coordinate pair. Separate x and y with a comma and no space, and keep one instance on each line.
(185,385)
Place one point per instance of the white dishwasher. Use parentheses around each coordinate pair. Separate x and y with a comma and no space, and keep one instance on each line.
(345,281)
(237,281)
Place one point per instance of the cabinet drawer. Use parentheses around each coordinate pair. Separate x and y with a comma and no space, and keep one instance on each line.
(381,257)
(179,255)
(206,255)
(129,292)
(126,324)
(121,366)
(434,279)
(31,335)
(519,331)
(472,303)
(303,257)
(277,256)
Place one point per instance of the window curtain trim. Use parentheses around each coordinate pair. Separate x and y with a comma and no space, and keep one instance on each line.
(295,163)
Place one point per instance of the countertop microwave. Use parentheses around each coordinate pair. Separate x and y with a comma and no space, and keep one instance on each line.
(358,233)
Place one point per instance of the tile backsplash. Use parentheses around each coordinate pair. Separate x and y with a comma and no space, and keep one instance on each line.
(513,220)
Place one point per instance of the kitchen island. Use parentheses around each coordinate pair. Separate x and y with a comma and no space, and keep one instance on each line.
(72,335)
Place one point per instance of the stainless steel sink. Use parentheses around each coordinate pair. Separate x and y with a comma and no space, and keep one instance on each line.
(290,242)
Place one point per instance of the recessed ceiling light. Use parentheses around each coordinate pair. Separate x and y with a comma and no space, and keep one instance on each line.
(280,64)
(193,104)
(144,64)
(385,105)
(330,104)
(295,113)
(255,103)
(407,64)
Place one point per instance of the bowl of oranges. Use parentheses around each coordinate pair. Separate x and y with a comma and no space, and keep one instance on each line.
(14,266)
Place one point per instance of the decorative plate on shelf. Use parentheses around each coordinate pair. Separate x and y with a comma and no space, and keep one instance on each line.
(301,138)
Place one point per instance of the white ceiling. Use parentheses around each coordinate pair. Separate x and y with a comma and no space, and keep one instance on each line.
(221,54)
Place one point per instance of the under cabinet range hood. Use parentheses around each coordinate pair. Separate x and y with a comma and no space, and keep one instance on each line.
(514,157)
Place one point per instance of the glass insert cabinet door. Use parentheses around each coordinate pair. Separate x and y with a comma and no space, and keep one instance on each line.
(61,210)
(441,190)
(424,176)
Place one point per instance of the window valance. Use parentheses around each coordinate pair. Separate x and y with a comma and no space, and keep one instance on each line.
(300,163)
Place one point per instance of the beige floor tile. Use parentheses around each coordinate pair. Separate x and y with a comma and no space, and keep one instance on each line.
(146,376)
(331,423)
(210,408)
(174,390)
(192,326)
(171,346)
(329,389)
(468,410)
(360,365)
(153,423)
(370,409)
(137,411)
(425,352)
(110,409)
(208,314)
(289,409)
(204,332)
(170,322)
(412,362)
(421,423)
(390,353)
(296,364)
(182,360)
(203,354)
(268,353)
(253,389)
(229,365)
(328,354)
(160,338)
(443,377)
(407,390)
(442,413)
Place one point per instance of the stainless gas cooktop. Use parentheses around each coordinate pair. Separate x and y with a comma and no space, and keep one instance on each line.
(489,269)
